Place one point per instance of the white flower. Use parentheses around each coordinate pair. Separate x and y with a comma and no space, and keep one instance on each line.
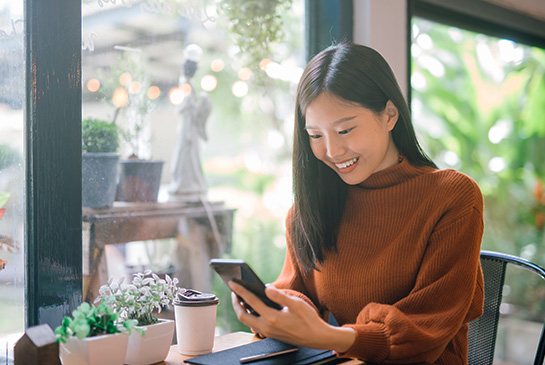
(103,290)
(146,292)
(131,288)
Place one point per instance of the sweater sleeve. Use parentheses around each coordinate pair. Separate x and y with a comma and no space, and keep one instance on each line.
(448,294)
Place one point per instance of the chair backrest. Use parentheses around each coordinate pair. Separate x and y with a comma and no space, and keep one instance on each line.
(483,331)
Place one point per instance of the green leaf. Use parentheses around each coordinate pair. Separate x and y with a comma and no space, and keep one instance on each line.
(99,136)
(81,329)
(4,196)
(534,114)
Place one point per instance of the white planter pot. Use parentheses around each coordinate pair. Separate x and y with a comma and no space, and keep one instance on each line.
(98,350)
(153,346)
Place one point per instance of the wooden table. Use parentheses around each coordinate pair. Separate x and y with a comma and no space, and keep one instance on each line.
(197,226)
(223,343)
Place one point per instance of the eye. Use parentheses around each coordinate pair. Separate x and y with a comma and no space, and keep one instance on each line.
(345,131)
(313,136)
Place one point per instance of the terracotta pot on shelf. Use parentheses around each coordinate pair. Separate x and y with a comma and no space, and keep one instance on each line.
(139,180)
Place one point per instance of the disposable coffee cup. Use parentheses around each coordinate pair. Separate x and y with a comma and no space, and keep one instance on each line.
(195,316)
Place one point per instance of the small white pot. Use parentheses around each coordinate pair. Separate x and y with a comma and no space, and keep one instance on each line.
(98,350)
(153,346)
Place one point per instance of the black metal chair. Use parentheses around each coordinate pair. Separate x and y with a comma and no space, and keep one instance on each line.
(483,331)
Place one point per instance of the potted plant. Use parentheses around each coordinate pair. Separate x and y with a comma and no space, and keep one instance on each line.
(139,301)
(128,86)
(256,27)
(99,162)
(93,335)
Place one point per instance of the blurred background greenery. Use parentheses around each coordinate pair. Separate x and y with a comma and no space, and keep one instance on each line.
(479,105)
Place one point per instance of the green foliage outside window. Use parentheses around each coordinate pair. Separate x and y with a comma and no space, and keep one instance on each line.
(479,104)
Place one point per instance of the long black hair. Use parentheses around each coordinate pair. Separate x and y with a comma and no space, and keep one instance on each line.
(356,74)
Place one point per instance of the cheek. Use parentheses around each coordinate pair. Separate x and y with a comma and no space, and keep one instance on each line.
(317,149)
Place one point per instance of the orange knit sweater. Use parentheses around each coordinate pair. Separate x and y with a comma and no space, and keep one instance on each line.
(407,274)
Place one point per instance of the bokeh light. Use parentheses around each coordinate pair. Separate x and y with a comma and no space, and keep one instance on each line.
(186,88)
(244,73)
(264,63)
(240,89)
(209,82)
(176,96)
(125,79)
(93,85)
(120,97)
(217,65)
(497,164)
(153,92)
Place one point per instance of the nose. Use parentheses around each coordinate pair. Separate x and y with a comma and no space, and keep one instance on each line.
(335,149)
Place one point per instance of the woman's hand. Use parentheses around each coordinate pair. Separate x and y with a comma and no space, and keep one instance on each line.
(296,323)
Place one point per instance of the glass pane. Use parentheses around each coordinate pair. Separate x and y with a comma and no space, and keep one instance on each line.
(478,103)
(207,88)
(11,177)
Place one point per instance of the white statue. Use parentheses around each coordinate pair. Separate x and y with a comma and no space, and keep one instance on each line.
(187,180)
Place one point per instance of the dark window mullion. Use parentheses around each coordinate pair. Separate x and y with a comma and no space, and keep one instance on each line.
(327,22)
(483,17)
(53,160)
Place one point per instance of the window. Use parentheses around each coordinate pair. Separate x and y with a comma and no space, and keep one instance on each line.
(144,65)
(12,175)
(50,133)
(477,101)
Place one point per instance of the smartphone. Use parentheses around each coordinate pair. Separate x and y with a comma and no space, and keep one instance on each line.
(241,273)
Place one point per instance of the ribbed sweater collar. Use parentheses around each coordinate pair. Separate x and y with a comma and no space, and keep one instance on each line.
(394,175)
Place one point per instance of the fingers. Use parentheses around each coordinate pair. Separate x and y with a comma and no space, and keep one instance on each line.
(292,324)
(251,301)
(238,305)
(278,296)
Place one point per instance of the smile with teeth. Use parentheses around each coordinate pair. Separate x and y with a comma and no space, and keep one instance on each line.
(347,163)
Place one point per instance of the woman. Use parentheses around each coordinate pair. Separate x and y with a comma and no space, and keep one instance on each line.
(378,237)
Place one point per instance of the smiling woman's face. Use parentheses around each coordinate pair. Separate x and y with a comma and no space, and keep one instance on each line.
(352,140)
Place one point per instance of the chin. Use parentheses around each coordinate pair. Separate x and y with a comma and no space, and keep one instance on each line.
(352,181)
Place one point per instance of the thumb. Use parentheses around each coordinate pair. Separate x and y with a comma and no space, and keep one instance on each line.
(276,295)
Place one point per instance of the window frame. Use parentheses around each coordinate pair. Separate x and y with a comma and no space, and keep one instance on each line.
(53,111)
(482,17)
(53,272)
(327,22)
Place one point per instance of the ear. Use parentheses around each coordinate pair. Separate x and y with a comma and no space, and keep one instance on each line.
(392,114)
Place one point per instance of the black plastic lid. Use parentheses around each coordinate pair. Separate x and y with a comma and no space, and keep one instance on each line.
(193,298)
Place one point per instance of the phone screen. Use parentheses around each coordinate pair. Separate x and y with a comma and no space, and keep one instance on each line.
(241,273)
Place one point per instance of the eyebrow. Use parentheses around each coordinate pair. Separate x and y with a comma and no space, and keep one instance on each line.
(337,122)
